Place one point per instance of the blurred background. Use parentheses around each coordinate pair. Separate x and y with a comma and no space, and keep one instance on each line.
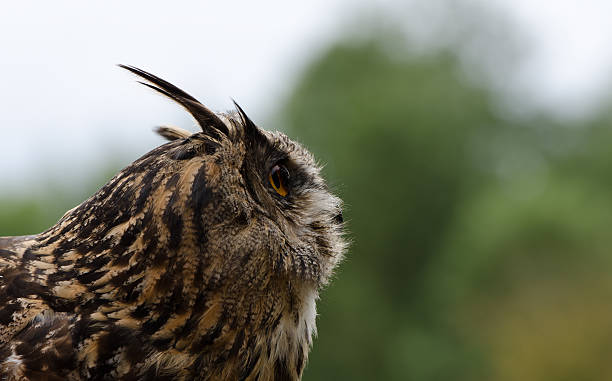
(471,141)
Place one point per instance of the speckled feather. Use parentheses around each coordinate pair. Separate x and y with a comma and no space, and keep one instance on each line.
(187,265)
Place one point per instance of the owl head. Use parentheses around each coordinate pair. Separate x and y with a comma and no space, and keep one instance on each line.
(231,206)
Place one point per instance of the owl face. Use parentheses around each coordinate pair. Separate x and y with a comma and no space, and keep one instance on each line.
(250,197)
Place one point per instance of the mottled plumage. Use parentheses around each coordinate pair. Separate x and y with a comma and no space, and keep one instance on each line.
(202,260)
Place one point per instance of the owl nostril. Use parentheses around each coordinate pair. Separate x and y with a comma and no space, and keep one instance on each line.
(339,219)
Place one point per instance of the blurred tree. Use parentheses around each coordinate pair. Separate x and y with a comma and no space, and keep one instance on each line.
(397,134)
(528,281)
(480,242)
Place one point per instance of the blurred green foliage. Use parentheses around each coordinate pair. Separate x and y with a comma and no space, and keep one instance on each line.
(481,243)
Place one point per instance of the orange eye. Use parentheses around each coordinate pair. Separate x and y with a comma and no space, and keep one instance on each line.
(279,179)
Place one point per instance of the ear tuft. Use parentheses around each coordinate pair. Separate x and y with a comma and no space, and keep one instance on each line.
(251,132)
(207,119)
(172,133)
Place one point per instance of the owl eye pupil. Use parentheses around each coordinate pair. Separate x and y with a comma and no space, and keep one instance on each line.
(279,179)
(276,179)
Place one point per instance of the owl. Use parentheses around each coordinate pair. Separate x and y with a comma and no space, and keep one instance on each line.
(202,260)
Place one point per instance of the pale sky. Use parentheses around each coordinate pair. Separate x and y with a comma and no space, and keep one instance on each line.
(66,108)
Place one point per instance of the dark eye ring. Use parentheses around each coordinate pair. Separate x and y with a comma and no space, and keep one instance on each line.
(279,179)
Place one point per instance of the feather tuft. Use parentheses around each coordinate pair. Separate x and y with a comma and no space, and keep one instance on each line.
(207,119)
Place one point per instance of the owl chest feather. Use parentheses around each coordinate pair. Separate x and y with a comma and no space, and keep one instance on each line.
(91,346)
